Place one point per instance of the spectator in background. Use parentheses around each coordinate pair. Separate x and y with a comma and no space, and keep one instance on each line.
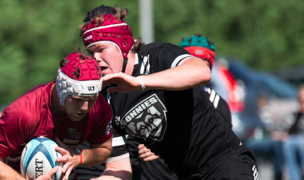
(269,145)
(294,145)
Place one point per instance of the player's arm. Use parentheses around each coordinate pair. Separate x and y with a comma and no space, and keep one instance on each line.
(97,154)
(92,156)
(117,170)
(118,166)
(8,173)
(192,72)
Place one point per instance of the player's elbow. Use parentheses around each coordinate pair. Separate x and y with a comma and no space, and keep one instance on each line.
(107,152)
(205,75)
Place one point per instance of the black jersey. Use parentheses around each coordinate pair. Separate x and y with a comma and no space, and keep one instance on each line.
(157,169)
(182,127)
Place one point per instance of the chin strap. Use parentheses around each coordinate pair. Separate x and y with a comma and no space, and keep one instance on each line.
(124,65)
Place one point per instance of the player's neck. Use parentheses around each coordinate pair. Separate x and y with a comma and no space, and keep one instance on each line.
(130,64)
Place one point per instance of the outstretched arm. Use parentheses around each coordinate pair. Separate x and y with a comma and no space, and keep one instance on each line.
(192,72)
(117,170)
(8,173)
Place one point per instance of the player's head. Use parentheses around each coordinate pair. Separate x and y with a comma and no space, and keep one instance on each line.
(78,84)
(199,46)
(107,37)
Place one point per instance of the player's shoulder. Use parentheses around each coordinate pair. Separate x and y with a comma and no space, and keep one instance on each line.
(160,46)
(30,105)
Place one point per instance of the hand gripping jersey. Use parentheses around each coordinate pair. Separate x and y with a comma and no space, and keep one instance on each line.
(182,127)
(31,116)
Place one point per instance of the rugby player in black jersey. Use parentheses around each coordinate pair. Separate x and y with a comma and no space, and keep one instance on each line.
(153,167)
(155,94)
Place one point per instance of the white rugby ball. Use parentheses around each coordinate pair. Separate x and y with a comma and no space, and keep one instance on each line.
(39,157)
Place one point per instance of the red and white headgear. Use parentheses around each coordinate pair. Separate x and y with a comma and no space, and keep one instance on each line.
(111,30)
(87,84)
(202,52)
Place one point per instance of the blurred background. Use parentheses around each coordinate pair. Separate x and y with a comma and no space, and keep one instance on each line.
(259,60)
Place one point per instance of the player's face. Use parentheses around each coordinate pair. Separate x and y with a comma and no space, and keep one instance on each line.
(76,107)
(108,58)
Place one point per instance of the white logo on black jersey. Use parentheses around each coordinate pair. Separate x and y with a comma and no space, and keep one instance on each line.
(147,119)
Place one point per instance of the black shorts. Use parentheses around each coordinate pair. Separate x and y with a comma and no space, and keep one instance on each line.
(239,165)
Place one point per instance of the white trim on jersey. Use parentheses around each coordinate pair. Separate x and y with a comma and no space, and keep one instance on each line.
(208,89)
(145,66)
(118,141)
(136,59)
(117,158)
(180,59)
(214,97)
(216,100)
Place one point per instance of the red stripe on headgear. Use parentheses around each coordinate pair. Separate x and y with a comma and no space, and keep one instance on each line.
(202,52)
(110,30)
(88,67)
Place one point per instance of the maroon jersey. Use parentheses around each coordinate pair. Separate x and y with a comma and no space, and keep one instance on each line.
(31,116)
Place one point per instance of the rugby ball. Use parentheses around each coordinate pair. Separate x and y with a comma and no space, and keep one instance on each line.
(39,157)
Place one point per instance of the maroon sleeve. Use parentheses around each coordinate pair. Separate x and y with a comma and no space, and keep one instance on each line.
(12,131)
(102,126)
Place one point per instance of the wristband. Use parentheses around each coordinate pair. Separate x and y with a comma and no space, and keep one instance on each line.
(80,162)
(143,87)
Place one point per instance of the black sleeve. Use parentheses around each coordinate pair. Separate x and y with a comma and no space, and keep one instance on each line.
(164,55)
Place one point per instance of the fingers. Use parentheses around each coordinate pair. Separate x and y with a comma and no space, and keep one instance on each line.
(142,149)
(62,159)
(67,174)
(109,79)
(53,171)
(113,89)
(145,154)
(65,167)
(62,151)
(150,158)
(141,146)
(48,175)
